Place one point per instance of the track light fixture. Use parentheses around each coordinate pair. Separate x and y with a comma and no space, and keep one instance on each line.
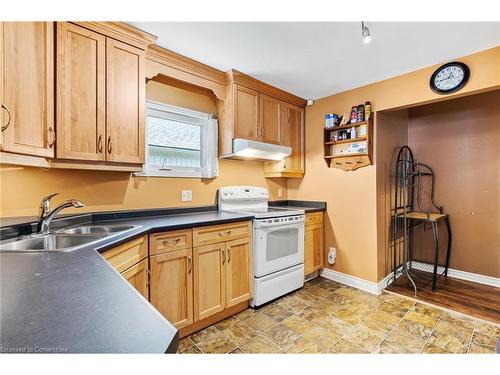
(365,33)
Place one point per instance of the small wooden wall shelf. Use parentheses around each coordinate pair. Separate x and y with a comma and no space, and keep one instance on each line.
(349,162)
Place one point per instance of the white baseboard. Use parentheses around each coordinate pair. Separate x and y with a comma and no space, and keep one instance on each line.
(356,282)
(377,288)
(463,275)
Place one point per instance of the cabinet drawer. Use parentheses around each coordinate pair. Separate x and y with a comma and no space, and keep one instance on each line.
(314,218)
(221,233)
(171,241)
(128,254)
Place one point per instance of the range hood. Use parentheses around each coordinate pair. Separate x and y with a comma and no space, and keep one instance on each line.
(247,149)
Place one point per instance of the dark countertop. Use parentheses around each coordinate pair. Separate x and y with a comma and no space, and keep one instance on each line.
(307,206)
(76,302)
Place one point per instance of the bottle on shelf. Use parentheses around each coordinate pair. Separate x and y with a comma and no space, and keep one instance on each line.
(360,113)
(354,114)
(353,132)
(368,110)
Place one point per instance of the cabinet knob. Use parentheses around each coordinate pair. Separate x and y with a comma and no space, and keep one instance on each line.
(4,127)
(149,276)
(190,264)
(171,242)
(110,145)
(52,137)
(228,254)
(99,143)
(225,234)
(223,257)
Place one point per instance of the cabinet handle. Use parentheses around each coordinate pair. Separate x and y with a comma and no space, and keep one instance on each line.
(190,265)
(9,119)
(223,257)
(110,145)
(228,254)
(149,276)
(99,143)
(224,234)
(171,242)
(52,137)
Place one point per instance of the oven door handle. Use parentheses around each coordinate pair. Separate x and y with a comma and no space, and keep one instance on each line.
(291,224)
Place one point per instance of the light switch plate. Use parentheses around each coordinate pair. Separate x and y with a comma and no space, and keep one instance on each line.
(186,195)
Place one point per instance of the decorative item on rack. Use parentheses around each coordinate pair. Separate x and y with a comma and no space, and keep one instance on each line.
(345,118)
(331,120)
(348,139)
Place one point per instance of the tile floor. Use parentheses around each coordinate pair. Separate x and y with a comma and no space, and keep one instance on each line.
(328,317)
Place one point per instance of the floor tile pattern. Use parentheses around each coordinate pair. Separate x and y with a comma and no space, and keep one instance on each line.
(329,317)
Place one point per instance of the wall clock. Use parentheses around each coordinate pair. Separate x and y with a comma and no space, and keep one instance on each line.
(449,78)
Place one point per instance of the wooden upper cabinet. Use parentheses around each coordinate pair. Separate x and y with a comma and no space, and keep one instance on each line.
(27,87)
(246,113)
(269,119)
(291,135)
(172,286)
(257,111)
(125,102)
(80,82)
(239,275)
(209,280)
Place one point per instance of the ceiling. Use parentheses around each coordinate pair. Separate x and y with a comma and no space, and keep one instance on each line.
(317,59)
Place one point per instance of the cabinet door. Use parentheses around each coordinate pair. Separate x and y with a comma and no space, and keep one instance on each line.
(246,113)
(269,119)
(172,286)
(125,102)
(27,88)
(80,81)
(239,277)
(138,277)
(209,280)
(313,248)
(292,135)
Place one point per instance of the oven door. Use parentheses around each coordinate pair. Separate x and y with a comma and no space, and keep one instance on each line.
(278,244)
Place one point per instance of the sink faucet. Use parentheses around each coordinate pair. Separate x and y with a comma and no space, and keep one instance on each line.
(45,216)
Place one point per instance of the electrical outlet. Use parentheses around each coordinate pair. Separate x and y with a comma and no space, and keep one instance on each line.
(332,256)
(186,195)
(280,192)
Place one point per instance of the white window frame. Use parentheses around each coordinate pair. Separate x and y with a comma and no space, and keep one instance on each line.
(171,112)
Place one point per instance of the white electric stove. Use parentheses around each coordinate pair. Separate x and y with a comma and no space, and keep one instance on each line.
(278,241)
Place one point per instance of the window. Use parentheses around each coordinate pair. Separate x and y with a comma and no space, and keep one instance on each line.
(180,142)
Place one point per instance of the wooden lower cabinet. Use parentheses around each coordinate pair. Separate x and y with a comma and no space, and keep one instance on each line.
(313,246)
(209,280)
(191,287)
(172,286)
(138,277)
(239,275)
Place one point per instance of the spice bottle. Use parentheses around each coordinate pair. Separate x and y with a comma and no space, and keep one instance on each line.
(368,110)
(354,114)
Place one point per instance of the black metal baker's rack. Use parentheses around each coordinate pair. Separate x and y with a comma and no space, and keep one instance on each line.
(410,210)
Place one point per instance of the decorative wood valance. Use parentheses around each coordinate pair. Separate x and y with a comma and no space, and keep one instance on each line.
(162,62)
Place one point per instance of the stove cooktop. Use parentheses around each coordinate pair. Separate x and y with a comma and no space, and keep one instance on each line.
(265,212)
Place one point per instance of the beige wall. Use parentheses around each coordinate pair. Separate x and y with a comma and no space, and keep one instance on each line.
(351,224)
(23,187)
(460,140)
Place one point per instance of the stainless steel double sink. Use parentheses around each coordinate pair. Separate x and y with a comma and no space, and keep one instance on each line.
(67,239)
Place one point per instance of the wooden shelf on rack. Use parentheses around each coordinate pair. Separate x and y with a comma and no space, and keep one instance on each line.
(359,139)
(348,126)
(349,162)
(345,155)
